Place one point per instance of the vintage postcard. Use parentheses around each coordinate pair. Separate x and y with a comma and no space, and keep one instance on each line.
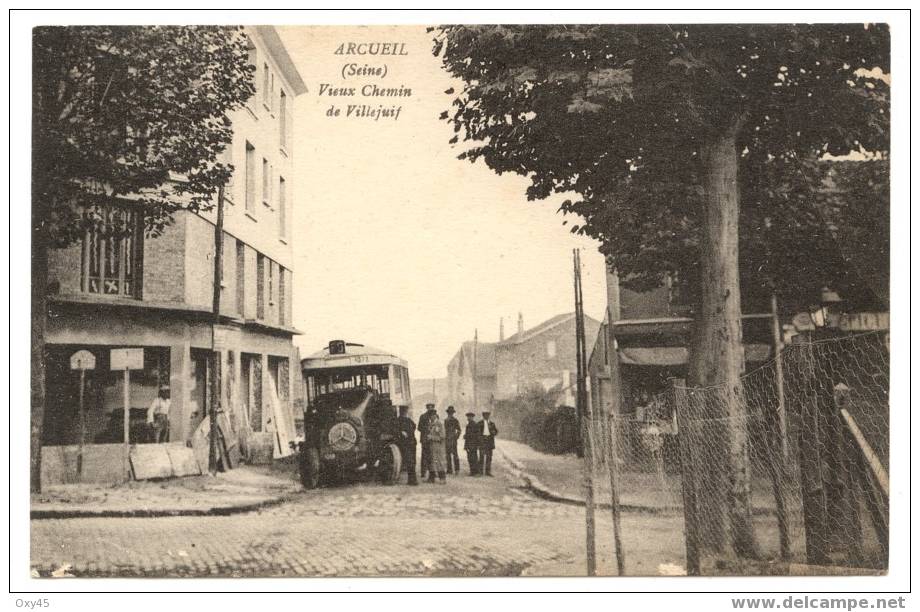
(547,300)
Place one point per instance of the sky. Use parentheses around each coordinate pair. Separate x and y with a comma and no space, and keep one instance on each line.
(397,243)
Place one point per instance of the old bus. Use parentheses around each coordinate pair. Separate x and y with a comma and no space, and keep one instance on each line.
(352,395)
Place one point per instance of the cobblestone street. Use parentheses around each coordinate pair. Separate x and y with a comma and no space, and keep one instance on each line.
(470,527)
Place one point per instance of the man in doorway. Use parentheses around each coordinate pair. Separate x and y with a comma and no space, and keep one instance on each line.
(487,433)
(452,432)
(471,443)
(158,415)
(423,422)
(407,443)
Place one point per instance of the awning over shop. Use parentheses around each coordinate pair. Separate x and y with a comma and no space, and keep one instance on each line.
(678,355)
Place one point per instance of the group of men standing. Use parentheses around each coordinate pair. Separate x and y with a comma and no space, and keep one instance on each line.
(439,443)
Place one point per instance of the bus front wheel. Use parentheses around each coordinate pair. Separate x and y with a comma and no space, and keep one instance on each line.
(390,465)
(310,468)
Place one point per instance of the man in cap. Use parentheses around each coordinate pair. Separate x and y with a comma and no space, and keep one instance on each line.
(471,443)
(423,422)
(487,433)
(407,443)
(452,432)
(158,415)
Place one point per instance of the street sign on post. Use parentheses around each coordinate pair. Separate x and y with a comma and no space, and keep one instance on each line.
(82,360)
(126,359)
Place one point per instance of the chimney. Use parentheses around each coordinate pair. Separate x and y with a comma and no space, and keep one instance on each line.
(501,329)
(520,323)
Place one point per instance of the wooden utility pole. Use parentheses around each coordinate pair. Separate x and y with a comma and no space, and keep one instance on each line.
(215,353)
(584,412)
(612,462)
(778,379)
(475,349)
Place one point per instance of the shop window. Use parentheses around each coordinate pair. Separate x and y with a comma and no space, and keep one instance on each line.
(103,397)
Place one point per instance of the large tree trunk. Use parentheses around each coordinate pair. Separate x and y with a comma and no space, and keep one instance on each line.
(717,361)
(39,318)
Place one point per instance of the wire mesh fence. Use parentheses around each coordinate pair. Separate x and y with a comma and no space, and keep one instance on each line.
(789,467)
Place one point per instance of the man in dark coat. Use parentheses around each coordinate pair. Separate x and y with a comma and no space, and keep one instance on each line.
(452,433)
(487,433)
(471,443)
(406,443)
(423,428)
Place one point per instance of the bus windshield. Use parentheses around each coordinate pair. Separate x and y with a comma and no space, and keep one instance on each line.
(322,382)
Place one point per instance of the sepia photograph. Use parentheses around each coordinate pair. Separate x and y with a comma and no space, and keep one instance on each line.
(462,300)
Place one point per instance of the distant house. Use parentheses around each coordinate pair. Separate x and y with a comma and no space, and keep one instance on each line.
(472,360)
(543,355)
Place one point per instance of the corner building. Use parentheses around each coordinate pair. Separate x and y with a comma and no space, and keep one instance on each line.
(156,294)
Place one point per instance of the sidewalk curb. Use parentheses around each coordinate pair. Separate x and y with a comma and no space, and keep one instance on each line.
(533,484)
(156,513)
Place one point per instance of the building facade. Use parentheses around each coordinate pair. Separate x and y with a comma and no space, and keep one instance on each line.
(644,342)
(471,377)
(542,356)
(156,294)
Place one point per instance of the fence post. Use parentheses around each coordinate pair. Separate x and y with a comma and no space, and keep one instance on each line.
(777,439)
(811,469)
(776,466)
(612,468)
(687,480)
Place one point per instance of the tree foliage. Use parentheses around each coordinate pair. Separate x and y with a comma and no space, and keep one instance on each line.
(614,116)
(131,112)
